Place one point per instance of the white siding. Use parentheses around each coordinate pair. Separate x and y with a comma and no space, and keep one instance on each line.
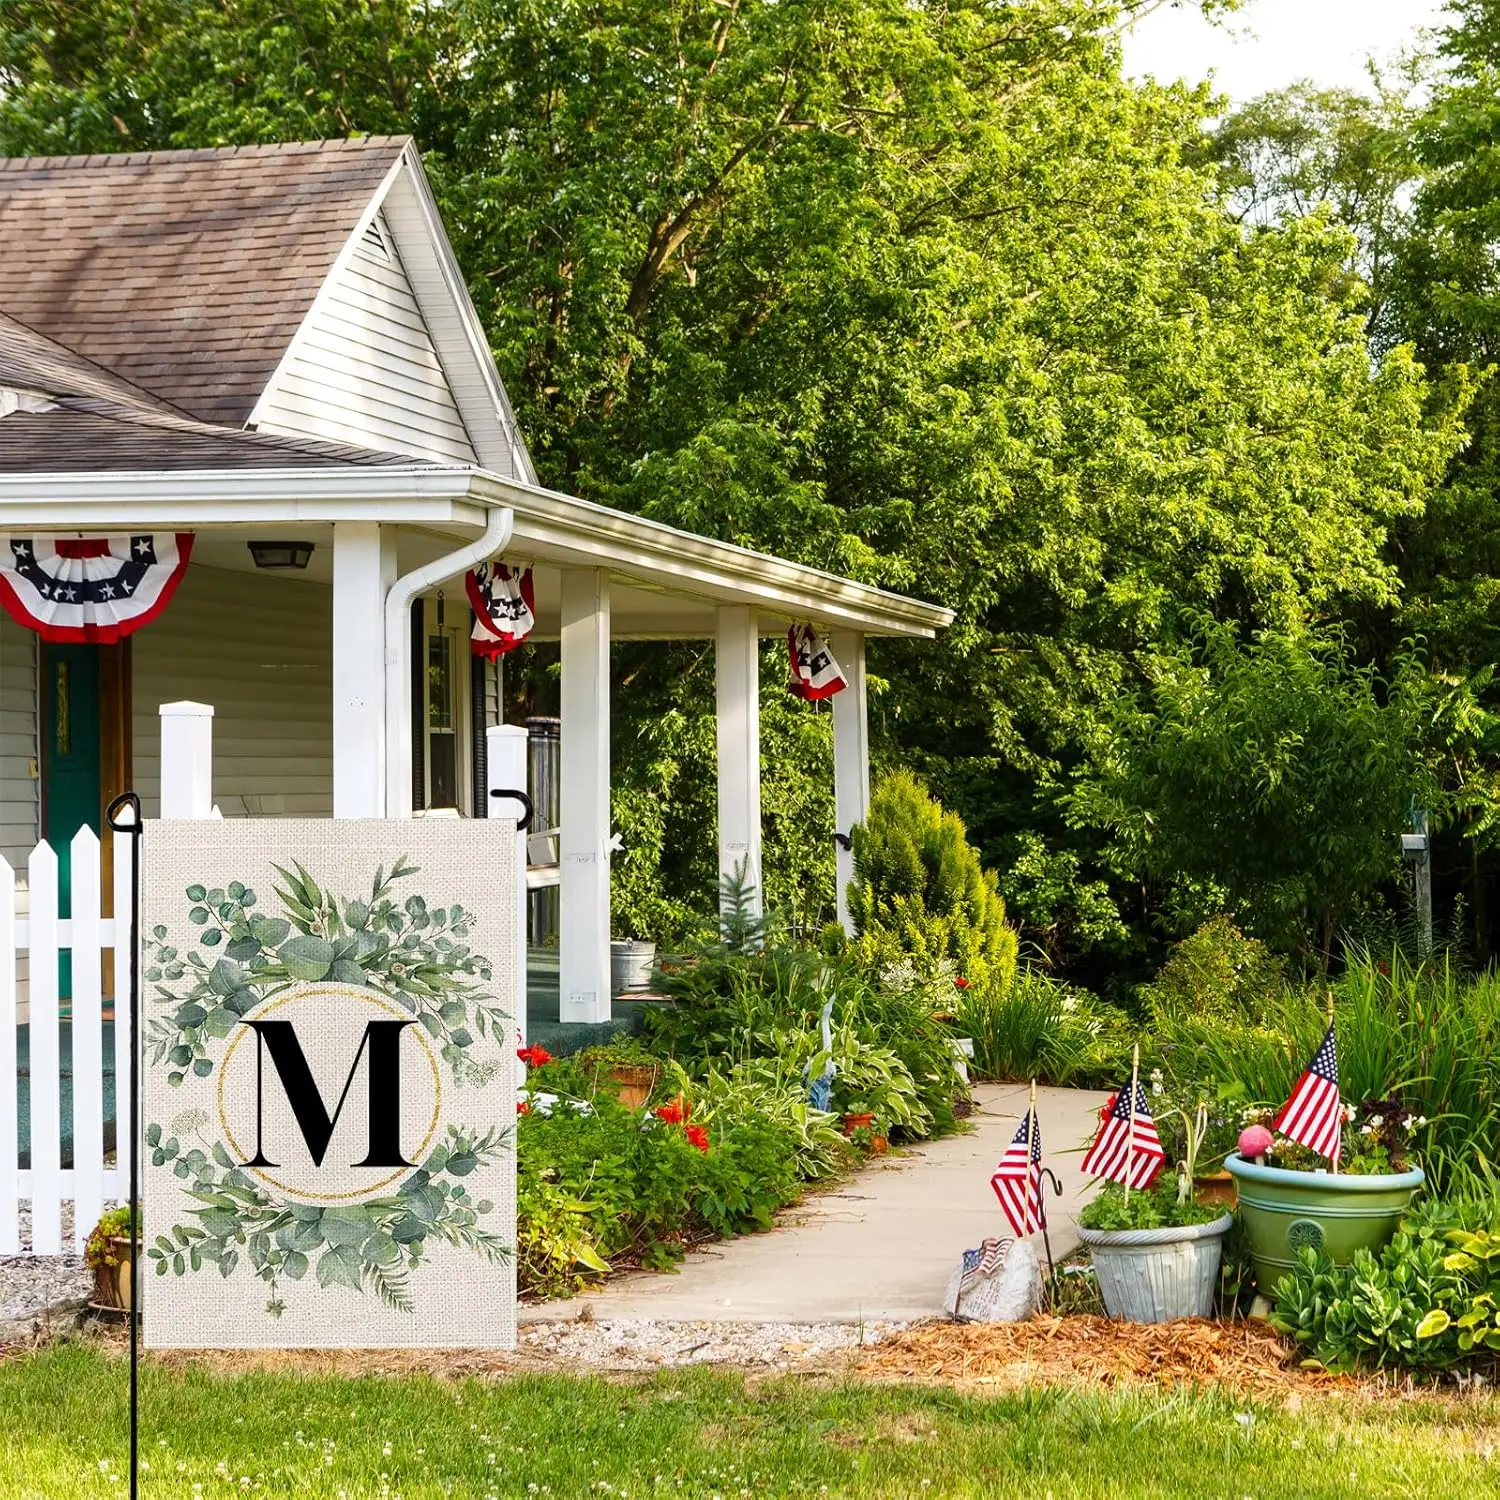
(18,744)
(259,649)
(363,369)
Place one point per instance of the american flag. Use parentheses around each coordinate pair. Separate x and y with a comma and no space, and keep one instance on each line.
(1118,1156)
(982,1262)
(1313,1116)
(1018,1181)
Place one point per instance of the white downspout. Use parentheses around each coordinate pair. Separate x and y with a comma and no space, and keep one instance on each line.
(398,664)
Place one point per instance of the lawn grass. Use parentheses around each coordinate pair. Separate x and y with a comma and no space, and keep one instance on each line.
(700,1433)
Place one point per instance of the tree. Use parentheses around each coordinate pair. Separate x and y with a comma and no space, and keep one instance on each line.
(919,891)
(927,294)
(1271,775)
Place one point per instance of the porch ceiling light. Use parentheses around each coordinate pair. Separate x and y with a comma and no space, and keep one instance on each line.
(280,554)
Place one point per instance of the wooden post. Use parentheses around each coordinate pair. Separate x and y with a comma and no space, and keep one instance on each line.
(1030,1143)
(851,759)
(505,768)
(1135,1074)
(187,760)
(1334,1161)
(364,568)
(737,717)
(583,947)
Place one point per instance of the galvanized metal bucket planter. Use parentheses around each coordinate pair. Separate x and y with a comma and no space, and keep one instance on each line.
(1155,1275)
(1336,1213)
(630,965)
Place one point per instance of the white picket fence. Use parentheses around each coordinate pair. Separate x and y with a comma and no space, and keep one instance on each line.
(41,934)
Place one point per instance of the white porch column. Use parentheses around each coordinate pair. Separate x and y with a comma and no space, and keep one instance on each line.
(187,760)
(737,664)
(364,568)
(851,757)
(505,770)
(583,935)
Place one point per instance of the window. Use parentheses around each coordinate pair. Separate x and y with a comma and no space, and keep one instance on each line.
(444,706)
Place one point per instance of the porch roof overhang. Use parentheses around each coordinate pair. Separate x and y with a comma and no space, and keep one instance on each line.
(550,528)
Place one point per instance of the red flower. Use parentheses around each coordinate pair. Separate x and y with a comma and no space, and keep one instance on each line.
(523,1107)
(961,982)
(671,1114)
(698,1136)
(1383,967)
(534,1055)
(1109,1104)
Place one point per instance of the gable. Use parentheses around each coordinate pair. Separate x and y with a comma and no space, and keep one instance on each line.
(363,368)
(185,273)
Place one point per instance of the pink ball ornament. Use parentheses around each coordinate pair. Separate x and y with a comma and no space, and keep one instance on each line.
(1254,1141)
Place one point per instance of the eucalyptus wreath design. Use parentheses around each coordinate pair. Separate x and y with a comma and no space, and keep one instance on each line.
(376,1244)
(416,955)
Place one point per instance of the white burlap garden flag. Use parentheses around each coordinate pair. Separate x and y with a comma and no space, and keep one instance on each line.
(328,1097)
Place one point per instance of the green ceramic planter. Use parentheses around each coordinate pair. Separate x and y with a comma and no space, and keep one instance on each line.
(1338,1214)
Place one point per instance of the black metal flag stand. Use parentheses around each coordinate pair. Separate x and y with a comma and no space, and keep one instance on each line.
(129,924)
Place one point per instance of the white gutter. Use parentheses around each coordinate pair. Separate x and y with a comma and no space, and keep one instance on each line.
(398,664)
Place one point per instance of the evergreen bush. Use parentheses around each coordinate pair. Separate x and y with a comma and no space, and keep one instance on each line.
(919,890)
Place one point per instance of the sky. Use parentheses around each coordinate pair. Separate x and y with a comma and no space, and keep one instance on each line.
(1271,43)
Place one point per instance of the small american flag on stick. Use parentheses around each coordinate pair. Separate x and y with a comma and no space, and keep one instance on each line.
(1313,1116)
(1124,1150)
(1018,1179)
(982,1262)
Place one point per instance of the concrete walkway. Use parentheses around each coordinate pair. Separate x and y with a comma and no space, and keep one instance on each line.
(882,1246)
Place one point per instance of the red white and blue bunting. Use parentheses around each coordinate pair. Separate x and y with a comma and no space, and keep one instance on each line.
(91,590)
(504,608)
(815,674)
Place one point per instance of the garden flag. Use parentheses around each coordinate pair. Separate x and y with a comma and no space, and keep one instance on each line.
(90,590)
(1121,1154)
(504,608)
(328,1085)
(981,1262)
(815,674)
(1018,1179)
(1313,1116)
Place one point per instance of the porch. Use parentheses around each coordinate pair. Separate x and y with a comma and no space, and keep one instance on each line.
(325,624)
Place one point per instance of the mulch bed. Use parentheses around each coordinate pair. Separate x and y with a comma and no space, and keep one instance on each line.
(1056,1350)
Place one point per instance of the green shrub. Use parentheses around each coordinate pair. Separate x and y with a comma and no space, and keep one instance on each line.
(1156,1207)
(731,1006)
(1430,1300)
(1043,1029)
(920,891)
(1217,972)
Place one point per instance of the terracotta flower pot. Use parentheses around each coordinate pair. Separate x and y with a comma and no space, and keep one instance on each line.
(1214,1187)
(633,1083)
(112,1282)
(879,1144)
(853,1122)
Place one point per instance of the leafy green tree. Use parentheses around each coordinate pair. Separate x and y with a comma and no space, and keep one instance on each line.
(1271,775)
(920,892)
(928,294)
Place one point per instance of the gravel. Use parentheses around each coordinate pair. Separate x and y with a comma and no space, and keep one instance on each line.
(29,1283)
(649,1345)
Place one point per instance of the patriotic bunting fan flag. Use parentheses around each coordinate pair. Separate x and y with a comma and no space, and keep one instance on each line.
(1018,1179)
(815,674)
(1120,1154)
(1313,1116)
(90,590)
(504,608)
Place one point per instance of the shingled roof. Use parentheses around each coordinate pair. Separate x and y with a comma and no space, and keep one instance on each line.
(185,273)
(92,419)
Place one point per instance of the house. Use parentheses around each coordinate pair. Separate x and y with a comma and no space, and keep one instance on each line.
(250,384)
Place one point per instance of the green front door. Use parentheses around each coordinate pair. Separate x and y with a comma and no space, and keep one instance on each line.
(70,763)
